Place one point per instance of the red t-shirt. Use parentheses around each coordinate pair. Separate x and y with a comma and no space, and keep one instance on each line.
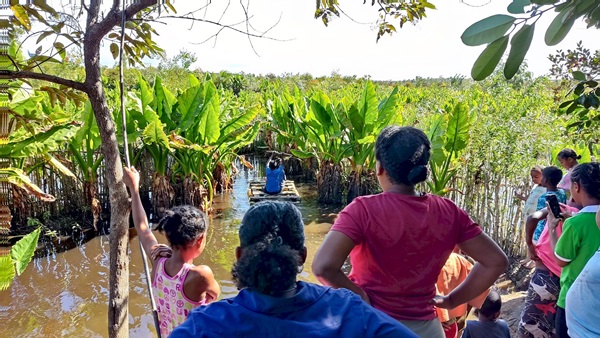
(402,243)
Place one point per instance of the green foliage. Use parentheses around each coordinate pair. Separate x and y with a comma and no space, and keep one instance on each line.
(16,262)
(449,135)
(493,31)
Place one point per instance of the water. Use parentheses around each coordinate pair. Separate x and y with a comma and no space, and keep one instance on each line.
(66,294)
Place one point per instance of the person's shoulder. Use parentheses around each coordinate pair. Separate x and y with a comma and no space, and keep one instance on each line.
(201,273)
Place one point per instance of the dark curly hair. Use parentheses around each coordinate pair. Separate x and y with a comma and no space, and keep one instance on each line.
(587,175)
(568,153)
(491,305)
(552,174)
(183,225)
(274,164)
(404,153)
(272,241)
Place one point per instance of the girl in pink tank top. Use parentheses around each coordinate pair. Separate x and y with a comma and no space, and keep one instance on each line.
(168,293)
(178,284)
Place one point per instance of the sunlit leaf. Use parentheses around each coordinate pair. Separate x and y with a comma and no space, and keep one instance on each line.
(519,45)
(7,272)
(21,15)
(23,250)
(489,58)
(487,30)
(559,28)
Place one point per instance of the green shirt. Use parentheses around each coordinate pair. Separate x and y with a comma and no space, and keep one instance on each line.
(579,241)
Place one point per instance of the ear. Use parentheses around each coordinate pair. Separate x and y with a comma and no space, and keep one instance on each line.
(379,168)
(577,187)
(303,254)
(238,253)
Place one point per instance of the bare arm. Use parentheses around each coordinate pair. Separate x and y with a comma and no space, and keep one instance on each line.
(491,263)
(552,223)
(131,178)
(530,225)
(204,285)
(327,264)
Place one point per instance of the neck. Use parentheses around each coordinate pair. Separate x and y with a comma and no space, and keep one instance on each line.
(184,257)
(401,189)
(486,319)
(288,293)
(553,188)
(587,201)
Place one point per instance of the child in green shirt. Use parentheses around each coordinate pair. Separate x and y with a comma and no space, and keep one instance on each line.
(580,237)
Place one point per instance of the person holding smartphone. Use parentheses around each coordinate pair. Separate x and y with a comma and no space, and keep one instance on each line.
(580,238)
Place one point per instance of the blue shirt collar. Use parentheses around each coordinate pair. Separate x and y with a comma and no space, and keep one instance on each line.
(306,295)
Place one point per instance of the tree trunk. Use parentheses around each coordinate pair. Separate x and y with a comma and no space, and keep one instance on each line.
(162,194)
(329,183)
(118,302)
(361,183)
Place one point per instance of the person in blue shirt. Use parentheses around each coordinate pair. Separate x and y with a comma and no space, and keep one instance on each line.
(271,302)
(551,176)
(275,176)
(488,325)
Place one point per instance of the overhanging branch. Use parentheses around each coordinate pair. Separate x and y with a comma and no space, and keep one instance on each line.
(113,18)
(44,77)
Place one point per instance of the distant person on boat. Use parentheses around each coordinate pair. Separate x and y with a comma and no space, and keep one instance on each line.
(399,240)
(178,284)
(275,176)
(271,302)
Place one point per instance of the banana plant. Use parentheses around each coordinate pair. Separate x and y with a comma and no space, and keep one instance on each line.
(85,155)
(326,139)
(208,136)
(363,120)
(448,133)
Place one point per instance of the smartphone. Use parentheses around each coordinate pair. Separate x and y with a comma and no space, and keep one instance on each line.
(554,205)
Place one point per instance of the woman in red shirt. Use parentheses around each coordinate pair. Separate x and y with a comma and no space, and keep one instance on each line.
(399,240)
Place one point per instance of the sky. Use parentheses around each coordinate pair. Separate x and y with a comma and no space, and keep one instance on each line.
(303,44)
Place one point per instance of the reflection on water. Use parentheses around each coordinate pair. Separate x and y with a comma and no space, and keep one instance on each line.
(66,294)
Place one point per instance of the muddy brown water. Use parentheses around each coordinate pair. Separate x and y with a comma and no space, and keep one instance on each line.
(66,294)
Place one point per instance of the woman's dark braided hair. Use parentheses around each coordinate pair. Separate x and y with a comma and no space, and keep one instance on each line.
(568,153)
(404,153)
(587,175)
(272,240)
(183,225)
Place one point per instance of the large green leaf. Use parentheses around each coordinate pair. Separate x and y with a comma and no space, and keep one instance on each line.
(190,104)
(155,134)
(518,6)
(7,272)
(320,106)
(41,143)
(163,103)
(87,139)
(436,134)
(488,60)
(560,27)
(241,120)
(487,30)
(23,250)
(209,121)
(388,108)
(459,125)
(367,105)
(302,154)
(519,45)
